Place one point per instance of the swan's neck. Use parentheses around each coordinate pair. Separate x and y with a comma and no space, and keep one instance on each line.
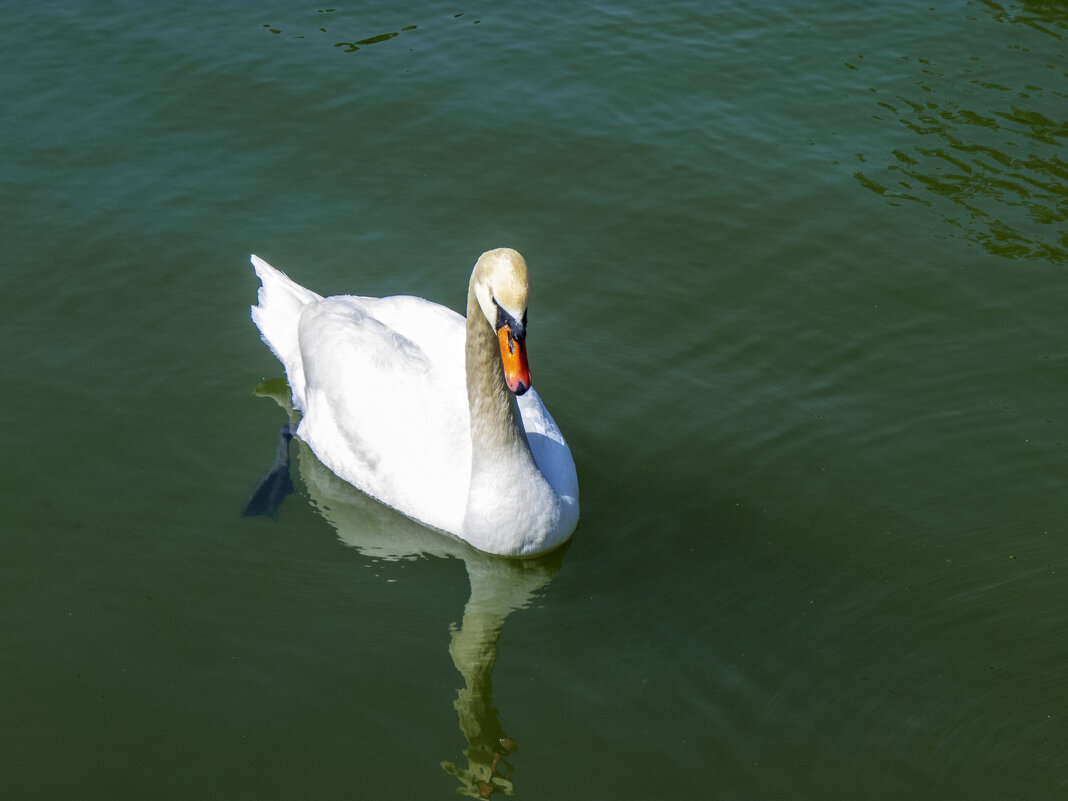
(496,428)
(510,506)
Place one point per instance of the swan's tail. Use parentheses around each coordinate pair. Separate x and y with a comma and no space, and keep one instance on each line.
(278,316)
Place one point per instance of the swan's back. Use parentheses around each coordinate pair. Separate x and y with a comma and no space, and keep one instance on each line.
(386,401)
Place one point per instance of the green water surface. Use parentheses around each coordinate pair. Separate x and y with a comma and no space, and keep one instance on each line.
(799,292)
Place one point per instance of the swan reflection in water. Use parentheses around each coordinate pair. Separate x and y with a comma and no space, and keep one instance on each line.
(499,586)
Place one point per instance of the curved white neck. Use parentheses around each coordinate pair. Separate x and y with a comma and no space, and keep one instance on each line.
(495,419)
(509,501)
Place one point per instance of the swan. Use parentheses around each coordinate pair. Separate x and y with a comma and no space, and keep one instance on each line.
(427,412)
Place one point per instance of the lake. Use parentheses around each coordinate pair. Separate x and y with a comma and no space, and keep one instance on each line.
(799,289)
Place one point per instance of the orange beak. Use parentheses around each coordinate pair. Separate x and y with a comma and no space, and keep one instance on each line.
(514,359)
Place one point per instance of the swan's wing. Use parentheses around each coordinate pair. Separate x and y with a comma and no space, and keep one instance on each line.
(387,403)
(551,454)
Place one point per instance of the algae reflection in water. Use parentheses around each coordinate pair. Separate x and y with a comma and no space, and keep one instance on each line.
(986,145)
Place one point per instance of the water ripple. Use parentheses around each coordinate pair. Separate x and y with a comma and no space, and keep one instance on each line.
(985,154)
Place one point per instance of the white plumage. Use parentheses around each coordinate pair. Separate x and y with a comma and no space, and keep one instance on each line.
(407,401)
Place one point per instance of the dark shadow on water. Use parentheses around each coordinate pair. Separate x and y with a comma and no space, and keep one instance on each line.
(277,484)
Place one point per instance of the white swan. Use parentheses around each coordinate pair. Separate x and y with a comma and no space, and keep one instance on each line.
(429,415)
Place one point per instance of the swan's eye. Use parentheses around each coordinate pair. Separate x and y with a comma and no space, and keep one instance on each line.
(517,331)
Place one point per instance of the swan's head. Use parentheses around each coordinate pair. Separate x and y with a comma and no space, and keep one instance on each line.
(501,287)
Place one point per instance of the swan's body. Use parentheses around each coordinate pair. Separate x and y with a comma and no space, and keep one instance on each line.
(407,401)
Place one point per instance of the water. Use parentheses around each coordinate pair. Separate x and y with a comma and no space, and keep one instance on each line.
(799,292)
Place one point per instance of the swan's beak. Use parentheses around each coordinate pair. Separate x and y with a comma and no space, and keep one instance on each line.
(514,359)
